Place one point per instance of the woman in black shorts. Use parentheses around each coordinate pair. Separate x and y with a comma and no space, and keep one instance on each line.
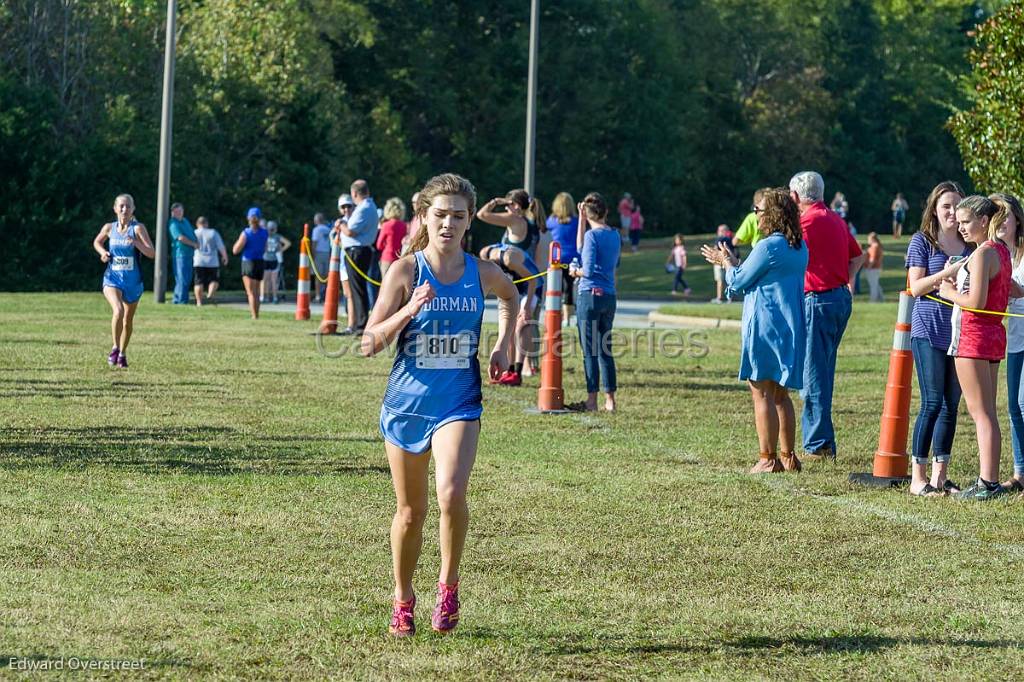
(251,244)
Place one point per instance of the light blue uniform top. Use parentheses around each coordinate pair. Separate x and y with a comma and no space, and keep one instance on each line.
(774,332)
(435,378)
(123,267)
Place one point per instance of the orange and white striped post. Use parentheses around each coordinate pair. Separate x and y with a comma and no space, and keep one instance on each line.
(550,397)
(891,460)
(329,324)
(302,286)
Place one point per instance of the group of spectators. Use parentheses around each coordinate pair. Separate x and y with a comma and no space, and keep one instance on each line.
(797,302)
(369,239)
(198,253)
(749,234)
(964,266)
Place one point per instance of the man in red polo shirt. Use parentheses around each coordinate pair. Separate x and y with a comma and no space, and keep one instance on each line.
(834,257)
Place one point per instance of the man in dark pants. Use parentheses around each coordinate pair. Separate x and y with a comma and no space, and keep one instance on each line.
(358,235)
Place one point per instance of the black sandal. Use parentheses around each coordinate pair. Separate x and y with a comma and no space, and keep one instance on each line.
(928,491)
(949,487)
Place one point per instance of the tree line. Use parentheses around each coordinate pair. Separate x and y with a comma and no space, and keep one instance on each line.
(689,105)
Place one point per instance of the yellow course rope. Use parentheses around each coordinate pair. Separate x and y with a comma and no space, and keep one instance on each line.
(376,283)
(312,263)
(972,310)
(361,273)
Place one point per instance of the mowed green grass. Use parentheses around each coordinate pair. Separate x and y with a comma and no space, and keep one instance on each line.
(221,509)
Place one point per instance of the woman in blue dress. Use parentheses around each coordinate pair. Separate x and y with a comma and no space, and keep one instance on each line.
(772,356)
(432,302)
(119,244)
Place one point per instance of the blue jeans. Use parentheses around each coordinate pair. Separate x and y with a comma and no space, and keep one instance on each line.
(679,280)
(182,277)
(935,425)
(594,316)
(1015,398)
(826,315)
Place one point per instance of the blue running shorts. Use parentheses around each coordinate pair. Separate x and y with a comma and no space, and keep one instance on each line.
(413,433)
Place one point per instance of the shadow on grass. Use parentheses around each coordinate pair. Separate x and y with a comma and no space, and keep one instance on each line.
(204,451)
(42,341)
(835,644)
(56,388)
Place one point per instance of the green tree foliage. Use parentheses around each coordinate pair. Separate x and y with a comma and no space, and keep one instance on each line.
(688,104)
(991,132)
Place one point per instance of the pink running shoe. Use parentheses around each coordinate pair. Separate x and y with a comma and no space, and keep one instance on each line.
(446,613)
(114,355)
(402,624)
(510,378)
(122,361)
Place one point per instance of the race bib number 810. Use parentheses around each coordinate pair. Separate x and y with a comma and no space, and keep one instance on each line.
(443,351)
(123,263)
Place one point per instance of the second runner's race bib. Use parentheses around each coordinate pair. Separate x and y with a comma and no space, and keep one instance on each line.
(122,263)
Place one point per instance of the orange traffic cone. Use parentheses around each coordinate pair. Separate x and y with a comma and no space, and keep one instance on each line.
(329,324)
(891,460)
(550,398)
(302,287)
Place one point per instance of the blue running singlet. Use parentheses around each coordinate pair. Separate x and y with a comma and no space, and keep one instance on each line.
(435,379)
(532,237)
(255,243)
(123,267)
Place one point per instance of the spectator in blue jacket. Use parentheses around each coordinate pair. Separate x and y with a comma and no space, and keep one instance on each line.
(599,247)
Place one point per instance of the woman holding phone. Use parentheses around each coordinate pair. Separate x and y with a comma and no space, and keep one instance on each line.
(932,256)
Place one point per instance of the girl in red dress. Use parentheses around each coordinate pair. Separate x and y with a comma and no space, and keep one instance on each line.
(979,338)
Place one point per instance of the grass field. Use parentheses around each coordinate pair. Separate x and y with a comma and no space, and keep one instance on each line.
(221,510)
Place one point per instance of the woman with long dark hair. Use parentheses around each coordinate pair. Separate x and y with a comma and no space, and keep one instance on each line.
(929,256)
(600,247)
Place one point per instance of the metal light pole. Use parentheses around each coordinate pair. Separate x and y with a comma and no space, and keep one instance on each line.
(164,183)
(531,99)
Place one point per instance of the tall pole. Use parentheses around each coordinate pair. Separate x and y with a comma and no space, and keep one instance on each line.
(164,183)
(531,100)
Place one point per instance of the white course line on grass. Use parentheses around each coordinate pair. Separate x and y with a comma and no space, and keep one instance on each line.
(1015,551)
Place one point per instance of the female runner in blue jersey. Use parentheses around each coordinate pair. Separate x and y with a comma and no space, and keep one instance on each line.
(122,281)
(432,301)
